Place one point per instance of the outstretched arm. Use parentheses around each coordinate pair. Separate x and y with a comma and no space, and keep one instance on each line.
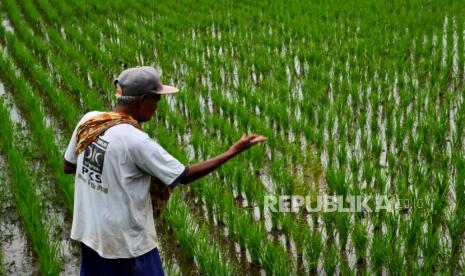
(203,168)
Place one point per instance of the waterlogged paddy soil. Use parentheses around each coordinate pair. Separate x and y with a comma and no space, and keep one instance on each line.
(355,98)
(17,257)
(17,252)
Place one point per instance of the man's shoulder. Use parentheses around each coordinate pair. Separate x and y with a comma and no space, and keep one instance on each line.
(129,132)
(89,115)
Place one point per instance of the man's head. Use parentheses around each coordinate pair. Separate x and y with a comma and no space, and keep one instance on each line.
(139,89)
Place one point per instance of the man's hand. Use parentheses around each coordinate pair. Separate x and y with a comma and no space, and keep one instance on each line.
(246,142)
(203,168)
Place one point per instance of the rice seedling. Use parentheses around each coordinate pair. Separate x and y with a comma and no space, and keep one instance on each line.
(330,259)
(193,239)
(411,231)
(431,254)
(274,259)
(2,268)
(255,237)
(170,268)
(360,240)
(343,227)
(336,180)
(396,259)
(313,244)
(380,246)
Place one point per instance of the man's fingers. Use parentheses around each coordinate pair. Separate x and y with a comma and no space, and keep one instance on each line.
(251,137)
(258,139)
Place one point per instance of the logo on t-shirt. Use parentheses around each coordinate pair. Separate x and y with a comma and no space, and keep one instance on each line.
(93,160)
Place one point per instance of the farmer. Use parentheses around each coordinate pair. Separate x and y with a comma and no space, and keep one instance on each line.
(114,162)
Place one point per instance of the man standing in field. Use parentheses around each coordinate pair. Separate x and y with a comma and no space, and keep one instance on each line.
(114,160)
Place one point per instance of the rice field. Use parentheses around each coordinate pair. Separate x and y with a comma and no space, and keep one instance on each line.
(356,98)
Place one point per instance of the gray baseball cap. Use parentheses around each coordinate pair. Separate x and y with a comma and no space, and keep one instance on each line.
(141,80)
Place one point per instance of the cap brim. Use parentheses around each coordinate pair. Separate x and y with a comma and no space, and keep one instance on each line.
(167,90)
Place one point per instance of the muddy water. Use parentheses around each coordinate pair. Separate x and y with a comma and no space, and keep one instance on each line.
(169,249)
(219,232)
(17,256)
(15,116)
(17,252)
(7,25)
(58,217)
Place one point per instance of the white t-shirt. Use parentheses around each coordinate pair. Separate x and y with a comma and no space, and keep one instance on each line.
(112,205)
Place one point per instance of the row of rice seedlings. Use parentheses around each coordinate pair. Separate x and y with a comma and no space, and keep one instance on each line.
(60,66)
(454,224)
(194,239)
(205,213)
(51,17)
(244,184)
(27,202)
(57,36)
(31,108)
(209,196)
(250,234)
(78,37)
(242,116)
(78,91)
(93,49)
(222,205)
(18,261)
(41,78)
(169,250)
(92,43)
(17,256)
(2,268)
(5,196)
(51,134)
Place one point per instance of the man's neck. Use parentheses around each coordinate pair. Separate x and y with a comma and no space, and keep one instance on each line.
(126,109)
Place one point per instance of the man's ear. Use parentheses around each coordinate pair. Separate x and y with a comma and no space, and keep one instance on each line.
(143,98)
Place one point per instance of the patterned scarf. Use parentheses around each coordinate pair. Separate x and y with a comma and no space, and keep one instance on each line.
(91,129)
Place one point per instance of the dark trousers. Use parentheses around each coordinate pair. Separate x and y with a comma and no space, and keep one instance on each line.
(92,264)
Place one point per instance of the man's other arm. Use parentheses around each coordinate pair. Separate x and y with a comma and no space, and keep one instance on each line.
(69,168)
